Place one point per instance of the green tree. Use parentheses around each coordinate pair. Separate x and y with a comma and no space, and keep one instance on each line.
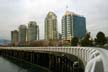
(107,39)
(86,41)
(74,41)
(100,38)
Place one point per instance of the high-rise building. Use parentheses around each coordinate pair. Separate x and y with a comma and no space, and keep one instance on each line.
(51,26)
(14,37)
(59,36)
(22,33)
(37,32)
(33,31)
(73,25)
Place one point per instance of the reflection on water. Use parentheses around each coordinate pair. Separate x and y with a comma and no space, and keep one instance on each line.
(13,65)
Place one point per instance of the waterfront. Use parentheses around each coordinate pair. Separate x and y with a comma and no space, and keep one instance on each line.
(15,65)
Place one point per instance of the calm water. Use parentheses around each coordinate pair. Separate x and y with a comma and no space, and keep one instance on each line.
(14,65)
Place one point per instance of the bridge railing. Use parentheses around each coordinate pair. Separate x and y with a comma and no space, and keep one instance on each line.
(89,56)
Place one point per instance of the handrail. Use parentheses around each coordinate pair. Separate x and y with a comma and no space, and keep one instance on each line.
(91,57)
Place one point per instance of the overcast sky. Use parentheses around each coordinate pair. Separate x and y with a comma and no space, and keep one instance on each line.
(16,12)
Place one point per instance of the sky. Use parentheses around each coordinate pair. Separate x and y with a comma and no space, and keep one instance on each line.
(17,12)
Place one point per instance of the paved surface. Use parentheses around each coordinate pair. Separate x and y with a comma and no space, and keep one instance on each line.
(104,54)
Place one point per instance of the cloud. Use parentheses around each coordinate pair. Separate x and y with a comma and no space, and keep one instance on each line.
(16,12)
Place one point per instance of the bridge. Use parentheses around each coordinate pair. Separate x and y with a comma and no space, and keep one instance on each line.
(62,59)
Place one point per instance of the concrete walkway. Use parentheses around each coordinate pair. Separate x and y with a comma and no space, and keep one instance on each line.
(104,55)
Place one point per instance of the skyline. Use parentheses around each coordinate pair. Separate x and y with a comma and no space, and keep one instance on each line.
(18,12)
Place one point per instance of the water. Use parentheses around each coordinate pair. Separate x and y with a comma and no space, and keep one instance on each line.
(15,65)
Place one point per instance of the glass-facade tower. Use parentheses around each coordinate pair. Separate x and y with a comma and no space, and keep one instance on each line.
(73,25)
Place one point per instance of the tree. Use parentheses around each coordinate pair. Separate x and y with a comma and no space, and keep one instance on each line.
(100,38)
(66,43)
(107,39)
(86,41)
(53,42)
(74,41)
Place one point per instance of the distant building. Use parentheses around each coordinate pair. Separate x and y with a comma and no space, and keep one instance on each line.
(51,27)
(14,37)
(73,25)
(32,31)
(22,33)
(59,36)
(38,32)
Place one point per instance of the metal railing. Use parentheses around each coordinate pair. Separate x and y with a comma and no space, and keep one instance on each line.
(91,57)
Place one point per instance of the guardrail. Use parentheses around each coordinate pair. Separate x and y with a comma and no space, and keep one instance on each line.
(91,57)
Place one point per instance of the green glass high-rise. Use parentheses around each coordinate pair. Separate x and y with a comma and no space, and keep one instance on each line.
(73,25)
